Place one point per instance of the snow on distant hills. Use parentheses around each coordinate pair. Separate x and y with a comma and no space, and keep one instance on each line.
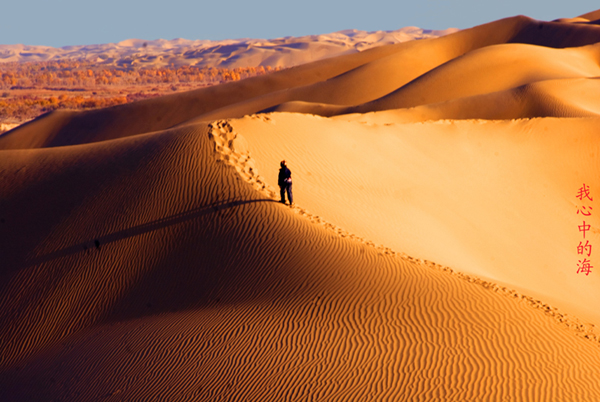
(282,52)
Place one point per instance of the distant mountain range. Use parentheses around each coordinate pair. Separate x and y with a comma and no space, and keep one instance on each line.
(282,52)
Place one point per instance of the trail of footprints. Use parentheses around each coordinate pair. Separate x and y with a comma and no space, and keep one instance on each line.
(223,135)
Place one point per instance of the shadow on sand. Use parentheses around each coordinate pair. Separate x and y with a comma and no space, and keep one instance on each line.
(98,242)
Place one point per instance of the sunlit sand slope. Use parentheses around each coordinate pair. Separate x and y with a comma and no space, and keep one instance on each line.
(592,16)
(492,69)
(149,268)
(568,97)
(494,198)
(578,97)
(515,76)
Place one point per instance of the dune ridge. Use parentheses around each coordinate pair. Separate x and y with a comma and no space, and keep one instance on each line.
(550,98)
(227,144)
(568,97)
(433,201)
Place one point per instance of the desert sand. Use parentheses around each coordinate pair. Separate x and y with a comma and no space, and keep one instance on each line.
(431,253)
(231,53)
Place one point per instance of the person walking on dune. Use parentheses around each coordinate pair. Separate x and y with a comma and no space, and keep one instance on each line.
(285,183)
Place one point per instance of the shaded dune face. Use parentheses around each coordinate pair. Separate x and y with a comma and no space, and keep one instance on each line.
(145,254)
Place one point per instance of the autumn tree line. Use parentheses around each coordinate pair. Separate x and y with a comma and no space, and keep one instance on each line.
(86,74)
(33,88)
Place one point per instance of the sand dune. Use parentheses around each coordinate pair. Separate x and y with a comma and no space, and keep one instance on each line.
(203,287)
(592,16)
(281,52)
(435,189)
(431,253)
(420,62)
(491,69)
(496,82)
(576,97)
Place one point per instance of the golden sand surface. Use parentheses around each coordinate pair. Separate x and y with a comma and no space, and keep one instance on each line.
(431,253)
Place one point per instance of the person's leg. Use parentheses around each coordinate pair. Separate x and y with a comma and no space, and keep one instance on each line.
(289,193)
(282,194)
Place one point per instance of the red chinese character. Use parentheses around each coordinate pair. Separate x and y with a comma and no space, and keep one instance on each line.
(584,192)
(582,248)
(584,212)
(584,267)
(584,228)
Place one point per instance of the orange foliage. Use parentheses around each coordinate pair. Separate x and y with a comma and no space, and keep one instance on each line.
(19,107)
(39,81)
(86,74)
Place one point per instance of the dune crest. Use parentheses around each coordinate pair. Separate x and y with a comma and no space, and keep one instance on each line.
(434,202)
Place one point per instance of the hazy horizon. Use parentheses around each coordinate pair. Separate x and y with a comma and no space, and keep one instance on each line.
(72,23)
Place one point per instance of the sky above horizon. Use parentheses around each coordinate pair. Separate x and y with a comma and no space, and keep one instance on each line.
(69,22)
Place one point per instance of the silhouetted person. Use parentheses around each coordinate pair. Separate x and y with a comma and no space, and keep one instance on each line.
(285,183)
